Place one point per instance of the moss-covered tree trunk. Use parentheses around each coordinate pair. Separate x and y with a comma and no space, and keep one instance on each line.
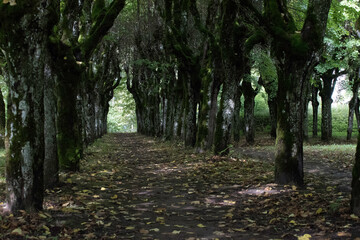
(236,118)
(296,54)
(193,94)
(23,38)
(2,120)
(353,105)
(231,39)
(315,109)
(70,145)
(51,161)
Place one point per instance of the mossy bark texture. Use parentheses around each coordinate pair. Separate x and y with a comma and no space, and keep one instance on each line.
(296,55)
(2,120)
(23,38)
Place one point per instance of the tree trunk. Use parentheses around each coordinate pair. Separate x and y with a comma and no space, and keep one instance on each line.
(68,122)
(315,106)
(289,135)
(236,119)
(193,92)
(232,38)
(296,54)
(24,41)
(273,116)
(249,105)
(355,184)
(326,101)
(353,106)
(51,161)
(2,120)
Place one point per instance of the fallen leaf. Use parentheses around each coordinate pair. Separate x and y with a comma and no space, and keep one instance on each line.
(17,231)
(304,237)
(176,232)
(201,225)
(130,228)
(144,231)
(319,211)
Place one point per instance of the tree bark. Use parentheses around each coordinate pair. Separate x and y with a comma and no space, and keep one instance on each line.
(353,106)
(315,106)
(355,184)
(329,81)
(249,107)
(296,55)
(24,28)
(51,162)
(2,120)
(236,119)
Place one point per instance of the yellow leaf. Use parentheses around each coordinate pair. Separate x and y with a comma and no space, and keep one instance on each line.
(308,195)
(353,216)
(200,225)
(160,219)
(229,215)
(42,215)
(292,222)
(114,197)
(271,211)
(319,211)
(69,180)
(273,220)
(176,232)
(76,230)
(293,187)
(239,230)
(17,231)
(102,189)
(304,237)
(155,230)
(130,228)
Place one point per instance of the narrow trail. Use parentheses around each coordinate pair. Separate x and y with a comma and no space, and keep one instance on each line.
(144,191)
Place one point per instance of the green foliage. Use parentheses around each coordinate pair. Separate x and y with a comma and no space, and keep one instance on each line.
(121,117)
(264,64)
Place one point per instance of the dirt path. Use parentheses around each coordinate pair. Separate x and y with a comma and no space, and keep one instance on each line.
(135,187)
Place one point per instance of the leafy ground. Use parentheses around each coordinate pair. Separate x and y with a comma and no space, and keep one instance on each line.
(134,187)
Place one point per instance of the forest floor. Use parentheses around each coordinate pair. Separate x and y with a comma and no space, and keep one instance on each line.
(136,187)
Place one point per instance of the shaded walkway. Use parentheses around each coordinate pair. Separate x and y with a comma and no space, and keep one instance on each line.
(135,187)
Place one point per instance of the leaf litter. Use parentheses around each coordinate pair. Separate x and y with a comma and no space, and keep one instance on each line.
(136,187)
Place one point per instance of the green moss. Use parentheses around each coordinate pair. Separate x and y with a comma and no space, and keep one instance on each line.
(298,46)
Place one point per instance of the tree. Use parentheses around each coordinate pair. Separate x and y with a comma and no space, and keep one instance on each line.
(25,128)
(44,53)
(296,54)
